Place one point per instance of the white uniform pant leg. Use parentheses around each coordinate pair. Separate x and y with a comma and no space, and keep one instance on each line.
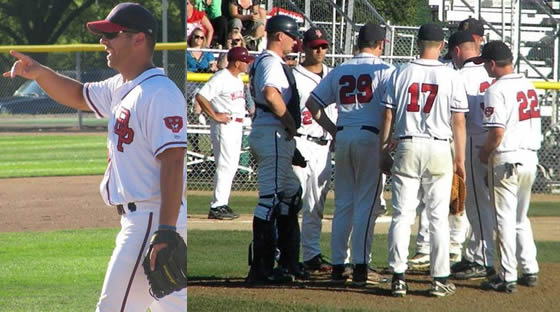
(423,236)
(367,177)
(343,192)
(314,180)
(405,189)
(226,146)
(126,287)
(479,211)
(436,185)
(526,249)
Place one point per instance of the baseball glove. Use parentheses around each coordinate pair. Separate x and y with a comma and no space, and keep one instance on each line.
(170,273)
(458,195)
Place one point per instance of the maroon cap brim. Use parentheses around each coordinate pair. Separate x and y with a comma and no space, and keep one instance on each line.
(316,43)
(478,60)
(104,26)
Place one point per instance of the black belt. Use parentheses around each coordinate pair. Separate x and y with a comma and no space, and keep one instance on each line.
(368,128)
(320,141)
(131,207)
(410,137)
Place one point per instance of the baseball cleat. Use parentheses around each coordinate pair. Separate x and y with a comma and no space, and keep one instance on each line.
(461,265)
(398,287)
(318,264)
(529,280)
(442,288)
(341,272)
(498,284)
(222,213)
(454,258)
(364,275)
(420,261)
(473,272)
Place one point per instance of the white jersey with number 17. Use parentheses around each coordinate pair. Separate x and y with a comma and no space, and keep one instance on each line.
(424,93)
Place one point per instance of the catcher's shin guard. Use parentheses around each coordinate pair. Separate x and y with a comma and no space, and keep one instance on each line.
(262,258)
(289,237)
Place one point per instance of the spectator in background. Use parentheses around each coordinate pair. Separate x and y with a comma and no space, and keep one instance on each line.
(213,9)
(198,20)
(234,39)
(199,61)
(248,17)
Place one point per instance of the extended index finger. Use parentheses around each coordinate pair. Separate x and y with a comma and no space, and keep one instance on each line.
(20,56)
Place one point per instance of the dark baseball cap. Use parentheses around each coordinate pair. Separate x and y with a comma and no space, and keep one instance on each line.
(371,32)
(239,54)
(126,15)
(494,50)
(472,25)
(430,32)
(457,39)
(314,37)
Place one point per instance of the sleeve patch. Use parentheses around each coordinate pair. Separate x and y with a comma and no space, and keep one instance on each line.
(488,111)
(174,123)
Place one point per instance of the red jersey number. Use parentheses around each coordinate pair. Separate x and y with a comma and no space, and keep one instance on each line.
(528,105)
(354,90)
(414,91)
(306,118)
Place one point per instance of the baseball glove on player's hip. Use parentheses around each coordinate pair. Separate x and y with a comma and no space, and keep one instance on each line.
(458,195)
(170,273)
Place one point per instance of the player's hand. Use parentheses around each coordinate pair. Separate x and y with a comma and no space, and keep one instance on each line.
(153,255)
(483,155)
(25,67)
(223,118)
(459,169)
(290,133)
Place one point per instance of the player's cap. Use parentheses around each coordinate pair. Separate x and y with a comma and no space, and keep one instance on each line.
(125,16)
(371,32)
(472,25)
(457,39)
(239,54)
(314,37)
(494,50)
(430,32)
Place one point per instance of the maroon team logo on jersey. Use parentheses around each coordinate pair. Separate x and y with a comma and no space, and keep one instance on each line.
(175,123)
(125,133)
(488,111)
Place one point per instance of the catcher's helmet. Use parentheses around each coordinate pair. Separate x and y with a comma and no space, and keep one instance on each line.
(284,24)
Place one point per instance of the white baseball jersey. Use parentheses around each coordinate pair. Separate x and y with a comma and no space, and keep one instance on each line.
(269,74)
(523,126)
(307,81)
(424,81)
(476,82)
(357,88)
(226,93)
(150,107)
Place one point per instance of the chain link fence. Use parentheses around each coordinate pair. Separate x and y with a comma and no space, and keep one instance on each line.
(24,105)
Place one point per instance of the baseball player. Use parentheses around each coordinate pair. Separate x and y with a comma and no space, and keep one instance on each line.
(512,117)
(314,144)
(146,144)
(275,222)
(357,87)
(426,102)
(478,260)
(223,99)
(476,28)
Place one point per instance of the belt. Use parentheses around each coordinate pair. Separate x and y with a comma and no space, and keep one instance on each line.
(410,137)
(320,141)
(131,207)
(368,128)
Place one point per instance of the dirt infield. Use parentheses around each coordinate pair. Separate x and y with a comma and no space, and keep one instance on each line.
(52,203)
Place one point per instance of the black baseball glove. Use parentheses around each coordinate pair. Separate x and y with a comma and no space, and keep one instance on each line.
(170,273)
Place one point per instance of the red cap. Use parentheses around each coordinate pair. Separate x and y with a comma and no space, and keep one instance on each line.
(239,54)
(314,37)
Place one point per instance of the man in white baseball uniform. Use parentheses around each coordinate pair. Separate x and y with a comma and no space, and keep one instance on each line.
(314,144)
(223,99)
(275,222)
(357,87)
(478,259)
(426,102)
(512,117)
(146,144)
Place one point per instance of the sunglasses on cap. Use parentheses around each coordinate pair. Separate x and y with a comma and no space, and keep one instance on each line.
(235,41)
(113,35)
(198,37)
